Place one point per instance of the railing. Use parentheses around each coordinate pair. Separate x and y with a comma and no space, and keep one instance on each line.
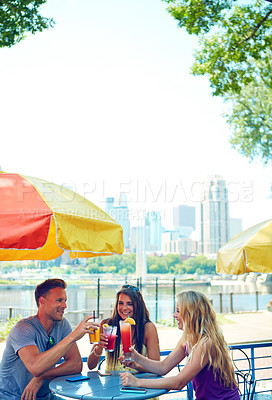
(73,316)
(99,294)
(255,358)
(223,303)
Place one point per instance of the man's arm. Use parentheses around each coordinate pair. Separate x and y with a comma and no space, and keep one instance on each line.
(72,365)
(38,363)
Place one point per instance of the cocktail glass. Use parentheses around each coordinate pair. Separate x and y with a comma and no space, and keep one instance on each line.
(125,329)
(94,335)
(110,332)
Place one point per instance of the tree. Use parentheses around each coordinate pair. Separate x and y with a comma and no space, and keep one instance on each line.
(18,17)
(199,264)
(235,47)
(233,36)
(250,118)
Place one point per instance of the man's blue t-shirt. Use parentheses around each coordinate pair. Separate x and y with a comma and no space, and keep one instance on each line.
(14,376)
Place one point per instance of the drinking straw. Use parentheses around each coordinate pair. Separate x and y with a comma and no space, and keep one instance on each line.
(94,315)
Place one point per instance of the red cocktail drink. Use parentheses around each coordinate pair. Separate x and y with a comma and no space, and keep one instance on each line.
(111,342)
(125,329)
(110,332)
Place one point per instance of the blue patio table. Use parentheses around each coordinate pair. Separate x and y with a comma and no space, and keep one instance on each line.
(101,387)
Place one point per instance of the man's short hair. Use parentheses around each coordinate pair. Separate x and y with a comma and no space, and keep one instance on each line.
(47,285)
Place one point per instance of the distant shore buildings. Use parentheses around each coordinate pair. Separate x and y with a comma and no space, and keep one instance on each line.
(200,229)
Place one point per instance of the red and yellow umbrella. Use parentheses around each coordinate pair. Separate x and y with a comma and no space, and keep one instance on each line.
(39,220)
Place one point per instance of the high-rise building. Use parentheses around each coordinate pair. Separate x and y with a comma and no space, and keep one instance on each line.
(173,243)
(184,220)
(153,228)
(167,238)
(214,216)
(120,214)
(109,205)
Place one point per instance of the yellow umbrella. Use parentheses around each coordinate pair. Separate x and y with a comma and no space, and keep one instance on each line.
(249,251)
(39,220)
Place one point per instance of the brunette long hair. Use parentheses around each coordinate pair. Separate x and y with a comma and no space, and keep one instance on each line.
(200,325)
(140,315)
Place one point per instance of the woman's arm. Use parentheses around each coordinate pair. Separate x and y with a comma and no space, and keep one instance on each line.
(177,382)
(151,341)
(164,366)
(97,349)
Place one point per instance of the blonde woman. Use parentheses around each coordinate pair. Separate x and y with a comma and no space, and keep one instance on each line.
(208,366)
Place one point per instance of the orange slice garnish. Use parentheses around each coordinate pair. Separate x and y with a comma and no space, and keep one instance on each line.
(130,321)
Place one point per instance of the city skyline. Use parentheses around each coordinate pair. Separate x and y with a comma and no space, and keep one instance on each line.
(189,235)
(166,196)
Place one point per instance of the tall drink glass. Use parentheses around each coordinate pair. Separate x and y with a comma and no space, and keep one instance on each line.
(94,335)
(110,332)
(125,329)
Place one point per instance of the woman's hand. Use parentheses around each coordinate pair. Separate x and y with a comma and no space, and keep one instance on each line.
(134,354)
(128,379)
(103,340)
(130,363)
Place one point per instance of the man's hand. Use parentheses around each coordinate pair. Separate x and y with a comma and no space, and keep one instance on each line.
(32,389)
(128,379)
(84,326)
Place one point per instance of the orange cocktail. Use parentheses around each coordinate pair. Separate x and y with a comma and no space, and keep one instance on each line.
(94,335)
(125,329)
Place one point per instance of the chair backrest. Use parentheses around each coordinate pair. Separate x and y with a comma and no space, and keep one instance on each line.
(246,385)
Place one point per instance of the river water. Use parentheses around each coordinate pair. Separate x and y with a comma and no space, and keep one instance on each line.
(160,302)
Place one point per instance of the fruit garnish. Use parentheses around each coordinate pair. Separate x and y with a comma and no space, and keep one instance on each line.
(130,321)
(105,326)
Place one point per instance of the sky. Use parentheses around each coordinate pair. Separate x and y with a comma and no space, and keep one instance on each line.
(104,103)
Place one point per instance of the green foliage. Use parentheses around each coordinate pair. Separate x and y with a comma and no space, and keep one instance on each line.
(200,264)
(235,47)
(251,120)
(126,264)
(232,38)
(123,264)
(168,264)
(18,17)
(5,329)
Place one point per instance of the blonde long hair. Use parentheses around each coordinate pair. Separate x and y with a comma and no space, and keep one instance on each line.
(200,325)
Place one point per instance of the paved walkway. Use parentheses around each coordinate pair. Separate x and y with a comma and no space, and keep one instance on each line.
(238,328)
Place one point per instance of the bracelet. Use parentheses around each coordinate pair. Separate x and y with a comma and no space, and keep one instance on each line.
(95,353)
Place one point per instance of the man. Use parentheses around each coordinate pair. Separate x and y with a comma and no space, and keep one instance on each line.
(36,344)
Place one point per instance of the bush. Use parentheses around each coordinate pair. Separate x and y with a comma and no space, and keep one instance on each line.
(5,329)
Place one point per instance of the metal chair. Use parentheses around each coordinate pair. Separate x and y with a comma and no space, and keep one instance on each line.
(246,385)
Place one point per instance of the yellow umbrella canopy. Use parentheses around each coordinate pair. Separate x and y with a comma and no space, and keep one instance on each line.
(39,220)
(249,251)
